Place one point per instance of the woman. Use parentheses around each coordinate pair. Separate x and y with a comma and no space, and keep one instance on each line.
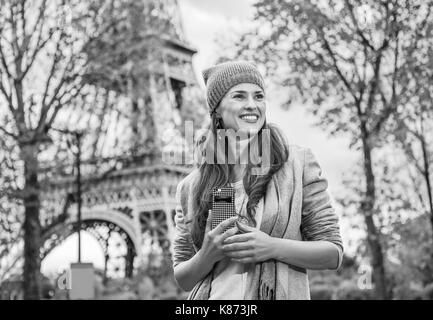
(288,224)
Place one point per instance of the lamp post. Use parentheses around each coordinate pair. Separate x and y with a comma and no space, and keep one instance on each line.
(77,134)
(82,274)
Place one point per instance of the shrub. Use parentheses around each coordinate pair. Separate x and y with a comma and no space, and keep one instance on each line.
(348,290)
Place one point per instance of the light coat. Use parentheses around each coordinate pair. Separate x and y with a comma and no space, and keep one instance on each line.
(297,206)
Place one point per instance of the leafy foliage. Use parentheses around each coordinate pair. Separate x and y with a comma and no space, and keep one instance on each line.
(356,65)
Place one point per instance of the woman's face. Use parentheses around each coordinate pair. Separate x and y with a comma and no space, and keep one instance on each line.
(243,108)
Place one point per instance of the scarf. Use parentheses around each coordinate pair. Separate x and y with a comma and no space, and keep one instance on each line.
(271,280)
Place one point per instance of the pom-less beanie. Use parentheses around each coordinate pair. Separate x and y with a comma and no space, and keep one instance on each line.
(220,78)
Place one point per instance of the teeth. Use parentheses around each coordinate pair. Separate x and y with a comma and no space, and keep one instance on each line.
(249,117)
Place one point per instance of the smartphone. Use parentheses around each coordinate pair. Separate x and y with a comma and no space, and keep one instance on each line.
(223,205)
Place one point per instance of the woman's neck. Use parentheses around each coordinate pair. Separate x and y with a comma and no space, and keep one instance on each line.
(239,148)
(237,172)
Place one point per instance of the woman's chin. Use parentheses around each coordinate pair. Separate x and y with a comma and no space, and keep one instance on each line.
(250,129)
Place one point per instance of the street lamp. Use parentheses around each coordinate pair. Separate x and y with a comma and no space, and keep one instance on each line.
(82,274)
(77,134)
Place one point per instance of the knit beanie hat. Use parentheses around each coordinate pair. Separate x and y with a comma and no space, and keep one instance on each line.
(220,78)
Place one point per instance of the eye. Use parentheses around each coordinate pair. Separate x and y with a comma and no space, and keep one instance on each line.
(260,96)
(238,96)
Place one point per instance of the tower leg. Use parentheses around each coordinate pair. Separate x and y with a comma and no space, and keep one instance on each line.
(129,262)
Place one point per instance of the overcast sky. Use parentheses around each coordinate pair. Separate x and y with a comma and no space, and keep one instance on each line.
(203,22)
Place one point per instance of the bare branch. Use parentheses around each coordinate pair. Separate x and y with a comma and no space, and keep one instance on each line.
(365,41)
(374,82)
(416,188)
(337,68)
(390,106)
(77,87)
(10,267)
(46,107)
(25,37)
(4,63)
(60,219)
(12,21)
(37,49)
(7,96)
(8,133)
(40,44)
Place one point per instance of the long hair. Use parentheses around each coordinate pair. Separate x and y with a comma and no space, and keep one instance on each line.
(213,175)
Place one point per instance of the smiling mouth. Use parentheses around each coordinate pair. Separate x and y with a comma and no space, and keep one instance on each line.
(250,117)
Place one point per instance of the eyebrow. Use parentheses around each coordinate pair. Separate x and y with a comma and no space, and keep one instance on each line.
(242,91)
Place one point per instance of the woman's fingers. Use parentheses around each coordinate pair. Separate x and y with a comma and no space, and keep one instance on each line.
(238,238)
(244,228)
(237,246)
(230,232)
(208,222)
(223,225)
(244,260)
(240,254)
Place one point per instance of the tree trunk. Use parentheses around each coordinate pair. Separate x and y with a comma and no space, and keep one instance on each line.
(32,225)
(368,207)
(426,174)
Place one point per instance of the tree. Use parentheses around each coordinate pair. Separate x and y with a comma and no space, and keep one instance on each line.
(10,212)
(411,135)
(414,121)
(41,64)
(347,58)
(57,60)
(400,219)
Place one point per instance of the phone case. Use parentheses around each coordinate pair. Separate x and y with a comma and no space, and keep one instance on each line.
(223,205)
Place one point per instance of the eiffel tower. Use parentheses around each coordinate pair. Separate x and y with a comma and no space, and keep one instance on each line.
(136,202)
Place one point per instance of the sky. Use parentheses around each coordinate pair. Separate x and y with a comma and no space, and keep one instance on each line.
(204,21)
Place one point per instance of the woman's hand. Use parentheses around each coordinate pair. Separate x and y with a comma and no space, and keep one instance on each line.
(188,273)
(252,246)
(212,247)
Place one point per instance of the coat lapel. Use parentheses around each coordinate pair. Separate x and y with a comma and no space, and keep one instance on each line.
(270,207)
(277,204)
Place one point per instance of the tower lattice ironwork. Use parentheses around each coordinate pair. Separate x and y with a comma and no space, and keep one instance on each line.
(136,200)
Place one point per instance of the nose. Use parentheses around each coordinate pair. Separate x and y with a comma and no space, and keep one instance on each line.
(251,104)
